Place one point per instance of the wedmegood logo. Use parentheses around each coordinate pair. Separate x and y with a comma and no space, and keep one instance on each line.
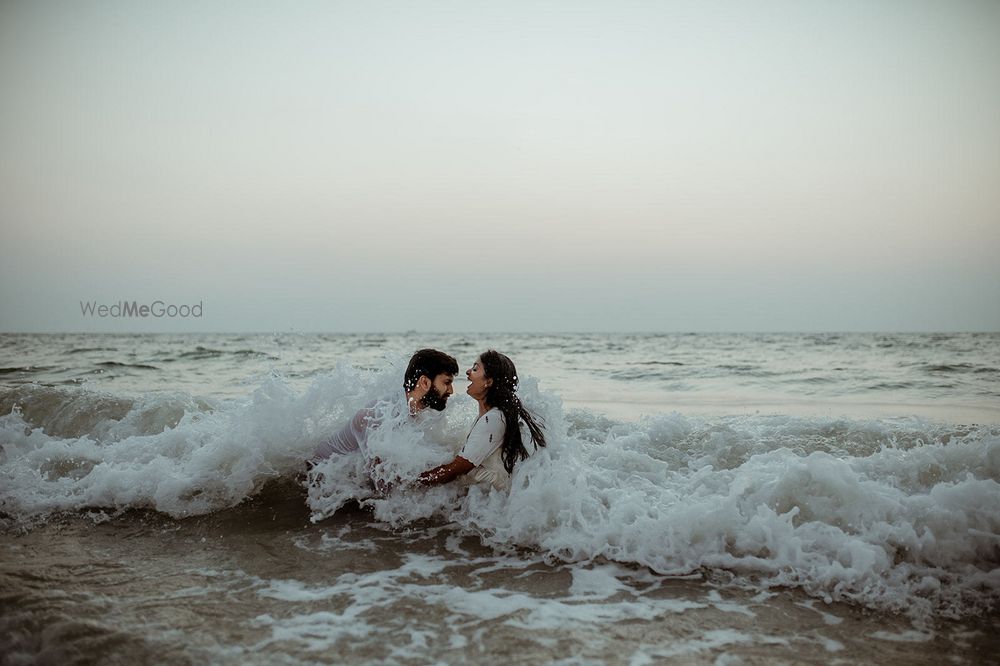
(123,309)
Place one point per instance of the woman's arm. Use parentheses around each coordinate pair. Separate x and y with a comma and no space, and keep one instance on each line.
(487,434)
(447,472)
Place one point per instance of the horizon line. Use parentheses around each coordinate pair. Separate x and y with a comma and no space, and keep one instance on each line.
(529,332)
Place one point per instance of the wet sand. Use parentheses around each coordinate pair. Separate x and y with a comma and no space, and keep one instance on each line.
(261,584)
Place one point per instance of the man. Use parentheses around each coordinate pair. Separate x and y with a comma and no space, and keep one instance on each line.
(427,383)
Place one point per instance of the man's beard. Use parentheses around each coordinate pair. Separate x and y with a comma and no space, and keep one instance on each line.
(434,399)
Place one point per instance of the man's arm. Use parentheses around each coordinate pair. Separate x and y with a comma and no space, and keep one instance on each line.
(447,472)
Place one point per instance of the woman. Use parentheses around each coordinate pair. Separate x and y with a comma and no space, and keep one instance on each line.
(494,444)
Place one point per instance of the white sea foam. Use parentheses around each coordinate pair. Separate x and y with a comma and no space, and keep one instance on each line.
(901,515)
(828,618)
(419,580)
(907,529)
(712,640)
(909,636)
(316,632)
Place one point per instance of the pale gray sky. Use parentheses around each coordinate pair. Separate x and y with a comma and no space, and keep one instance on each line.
(536,166)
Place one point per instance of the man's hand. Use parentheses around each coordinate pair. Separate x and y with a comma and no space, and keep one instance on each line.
(381,486)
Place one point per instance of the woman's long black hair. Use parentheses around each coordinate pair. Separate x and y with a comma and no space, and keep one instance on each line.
(502,394)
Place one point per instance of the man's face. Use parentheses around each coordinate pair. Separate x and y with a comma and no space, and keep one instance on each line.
(441,389)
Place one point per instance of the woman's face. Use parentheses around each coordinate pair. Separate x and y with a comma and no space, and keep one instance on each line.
(478,381)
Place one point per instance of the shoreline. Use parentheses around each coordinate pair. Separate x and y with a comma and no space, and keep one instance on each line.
(252,591)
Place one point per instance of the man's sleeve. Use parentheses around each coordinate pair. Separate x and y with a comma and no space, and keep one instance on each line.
(485,438)
(360,424)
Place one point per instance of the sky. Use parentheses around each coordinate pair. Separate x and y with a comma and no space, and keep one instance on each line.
(501,166)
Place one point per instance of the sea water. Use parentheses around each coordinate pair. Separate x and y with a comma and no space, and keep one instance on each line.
(703,498)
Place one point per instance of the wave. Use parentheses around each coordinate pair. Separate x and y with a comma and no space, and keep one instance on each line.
(116,364)
(948,368)
(899,514)
(892,386)
(200,353)
(26,369)
(72,413)
(746,369)
(253,353)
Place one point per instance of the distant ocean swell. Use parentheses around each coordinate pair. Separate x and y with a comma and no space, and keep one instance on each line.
(902,514)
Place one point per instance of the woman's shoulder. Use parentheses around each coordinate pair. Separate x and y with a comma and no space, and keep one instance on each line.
(494,417)
(491,421)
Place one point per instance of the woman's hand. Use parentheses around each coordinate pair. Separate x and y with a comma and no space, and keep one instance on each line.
(447,472)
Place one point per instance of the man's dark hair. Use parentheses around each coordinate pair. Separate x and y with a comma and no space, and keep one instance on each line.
(430,362)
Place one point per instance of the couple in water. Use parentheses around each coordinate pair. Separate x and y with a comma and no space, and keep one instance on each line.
(494,443)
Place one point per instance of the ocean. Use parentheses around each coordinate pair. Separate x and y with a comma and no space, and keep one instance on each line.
(703,498)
